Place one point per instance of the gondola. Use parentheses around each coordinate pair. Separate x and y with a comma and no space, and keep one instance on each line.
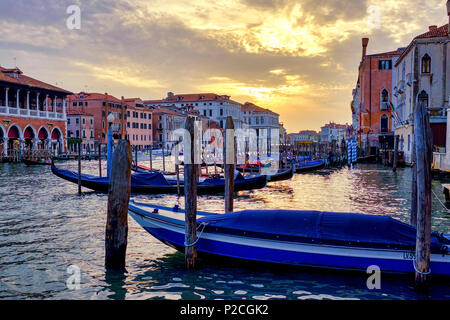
(37,162)
(327,240)
(367,159)
(281,175)
(156,183)
(309,166)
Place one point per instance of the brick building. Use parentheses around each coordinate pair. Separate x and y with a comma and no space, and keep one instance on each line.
(80,125)
(139,124)
(32,114)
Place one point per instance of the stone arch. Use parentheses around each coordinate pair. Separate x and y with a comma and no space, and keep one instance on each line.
(56,133)
(43,133)
(14,132)
(29,132)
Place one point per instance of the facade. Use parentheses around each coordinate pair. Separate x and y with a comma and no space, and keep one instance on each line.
(333,132)
(215,107)
(139,124)
(305,136)
(372,97)
(100,106)
(258,118)
(32,114)
(164,121)
(420,76)
(80,126)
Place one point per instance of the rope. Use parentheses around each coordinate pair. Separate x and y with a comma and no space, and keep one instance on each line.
(419,272)
(440,201)
(204,224)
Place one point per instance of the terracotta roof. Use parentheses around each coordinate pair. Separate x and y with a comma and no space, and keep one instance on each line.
(93,96)
(162,110)
(192,97)
(248,106)
(389,53)
(24,80)
(434,33)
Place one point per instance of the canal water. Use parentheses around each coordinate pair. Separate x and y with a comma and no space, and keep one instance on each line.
(45,228)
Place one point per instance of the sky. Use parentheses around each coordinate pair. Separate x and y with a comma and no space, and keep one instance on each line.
(298,58)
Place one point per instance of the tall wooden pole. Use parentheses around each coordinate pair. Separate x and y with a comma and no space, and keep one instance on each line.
(396,143)
(100,159)
(164,158)
(151,163)
(79,169)
(190,196)
(413,217)
(424,154)
(136,156)
(229,164)
(117,219)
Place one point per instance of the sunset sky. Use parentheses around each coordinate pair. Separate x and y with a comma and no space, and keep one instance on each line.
(298,58)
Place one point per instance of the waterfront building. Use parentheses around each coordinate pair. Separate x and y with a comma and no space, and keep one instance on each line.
(164,122)
(305,136)
(421,76)
(80,128)
(333,132)
(139,124)
(100,106)
(211,105)
(32,114)
(372,97)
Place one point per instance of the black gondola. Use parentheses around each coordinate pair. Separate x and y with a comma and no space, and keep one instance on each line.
(156,183)
(309,166)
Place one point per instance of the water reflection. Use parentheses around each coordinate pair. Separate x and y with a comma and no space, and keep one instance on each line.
(45,227)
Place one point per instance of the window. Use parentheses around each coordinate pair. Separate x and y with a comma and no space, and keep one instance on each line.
(103,113)
(204,113)
(384,100)
(128,124)
(92,122)
(423,98)
(80,103)
(84,134)
(426,64)
(84,121)
(78,133)
(210,113)
(68,121)
(385,65)
(74,104)
(221,112)
(384,123)
(77,121)
(92,134)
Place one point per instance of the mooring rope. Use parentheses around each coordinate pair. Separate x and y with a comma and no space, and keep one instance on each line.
(420,272)
(204,224)
(440,201)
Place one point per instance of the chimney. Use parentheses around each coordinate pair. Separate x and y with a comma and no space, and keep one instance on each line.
(365,42)
(431,28)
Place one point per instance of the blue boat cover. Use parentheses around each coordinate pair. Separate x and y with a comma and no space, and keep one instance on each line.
(309,163)
(137,179)
(326,227)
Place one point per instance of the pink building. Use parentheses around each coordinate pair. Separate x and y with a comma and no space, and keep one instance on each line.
(80,125)
(139,124)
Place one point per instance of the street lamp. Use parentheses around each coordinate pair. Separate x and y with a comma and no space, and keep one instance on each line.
(110,142)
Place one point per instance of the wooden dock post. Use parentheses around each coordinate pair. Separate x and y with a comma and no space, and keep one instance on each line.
(79,168)
(422,132)
(151,163)
(190,197)
(413,217)
(135,156)
(396,143)
(164,158)
(117,219)
(100,160)
(229,163)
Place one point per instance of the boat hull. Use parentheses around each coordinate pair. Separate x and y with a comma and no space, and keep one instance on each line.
(309,168)
(284,174)
(171,232)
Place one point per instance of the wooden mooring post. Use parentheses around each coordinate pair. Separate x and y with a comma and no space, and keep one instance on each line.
(413,216)
(117,218)
(396,143)
(99,159)
(229,163)
(136,156)
(79,169)
(164,158)
(424,152)
(151,161)
(190,196)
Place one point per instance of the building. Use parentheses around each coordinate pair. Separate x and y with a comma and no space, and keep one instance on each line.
(164,122)
(32,114)
(371,98)
(258,118)
(421,75)
(215,107)
(333,132)
(139,124)
(100,106)
(305,136)
(80,125)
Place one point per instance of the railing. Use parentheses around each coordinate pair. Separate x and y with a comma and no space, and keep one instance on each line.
(30,113)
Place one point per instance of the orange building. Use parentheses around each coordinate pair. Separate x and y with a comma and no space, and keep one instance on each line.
(139,124)
(32,114)
(375,86)
(100,106)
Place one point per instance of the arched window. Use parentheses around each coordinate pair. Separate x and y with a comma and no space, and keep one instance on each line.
(384,100)
(426,64)
(384,123)
(423,98)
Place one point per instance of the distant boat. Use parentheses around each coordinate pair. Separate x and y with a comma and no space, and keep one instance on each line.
(156,183)
(281,175)
(308,166)
(41,162)
(301,238)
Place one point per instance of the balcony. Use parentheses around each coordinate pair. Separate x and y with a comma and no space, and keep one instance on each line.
(31,113)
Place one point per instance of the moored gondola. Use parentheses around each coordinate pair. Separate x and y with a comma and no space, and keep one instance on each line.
(309,166)
(156,183)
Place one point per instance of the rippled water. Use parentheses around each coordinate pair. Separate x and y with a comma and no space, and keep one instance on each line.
(45,228)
